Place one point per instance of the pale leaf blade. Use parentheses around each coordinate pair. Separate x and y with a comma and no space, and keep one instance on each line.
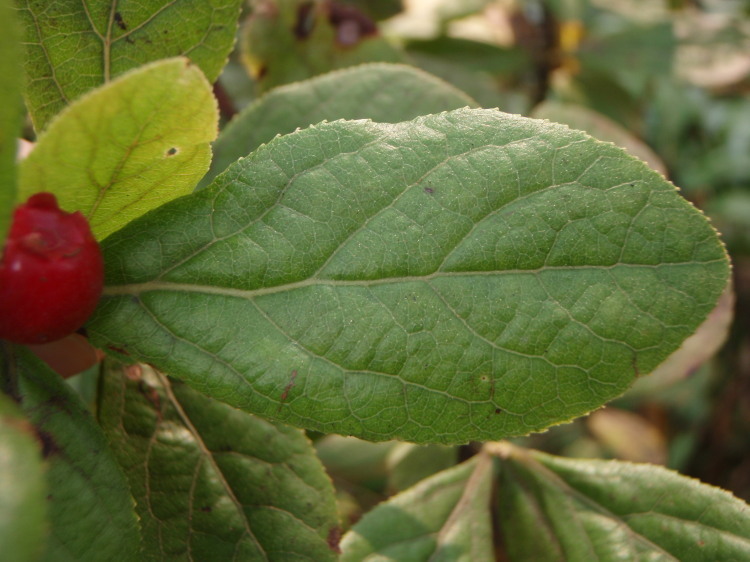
(23,486)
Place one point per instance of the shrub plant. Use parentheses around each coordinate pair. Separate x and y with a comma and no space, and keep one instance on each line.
(363,251)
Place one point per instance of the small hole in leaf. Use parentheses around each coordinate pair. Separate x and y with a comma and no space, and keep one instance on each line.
(172,151)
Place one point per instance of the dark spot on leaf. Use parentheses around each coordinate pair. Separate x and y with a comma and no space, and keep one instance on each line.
(172,151)
(49,446)
(261,72)
(119,350)
(129,39)
(49,497)
(429,190)
(206,509)
(305,22)
(334,536)
(287,388)
(498,411)
(350,23)
(119,21)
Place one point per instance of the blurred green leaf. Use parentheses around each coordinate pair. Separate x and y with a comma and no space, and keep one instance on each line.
(382,92)
(73,46)
(552,508)
(11,110)
(214,483)
(91,512)
(474,55)
(443,518)
(463,276)
(22,486)
(289,40)
(600,92)
(128,146)
(481,86)
(633,55)
(378,9)
(407,463)
(358,462)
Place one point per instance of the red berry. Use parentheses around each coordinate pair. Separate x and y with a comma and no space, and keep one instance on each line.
(51,273)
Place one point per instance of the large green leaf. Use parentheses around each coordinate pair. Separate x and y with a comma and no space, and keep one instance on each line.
(74,46)
(553,508)
(463,276)
(212,482)
(128,146)
(11,108)
(444,518)
(22,486)
(387,93)
(91,512)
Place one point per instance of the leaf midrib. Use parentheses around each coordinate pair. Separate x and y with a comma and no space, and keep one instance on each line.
(249,294)
(208,455)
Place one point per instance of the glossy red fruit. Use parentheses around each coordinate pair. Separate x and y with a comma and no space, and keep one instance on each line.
(51,273)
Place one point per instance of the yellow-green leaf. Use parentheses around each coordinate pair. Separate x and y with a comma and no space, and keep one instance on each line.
(127,147)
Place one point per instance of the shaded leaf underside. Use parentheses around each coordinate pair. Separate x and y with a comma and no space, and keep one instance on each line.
(468,275)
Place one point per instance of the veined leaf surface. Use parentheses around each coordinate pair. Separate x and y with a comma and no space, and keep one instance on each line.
(212,482)
(73,46)
(464,276)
